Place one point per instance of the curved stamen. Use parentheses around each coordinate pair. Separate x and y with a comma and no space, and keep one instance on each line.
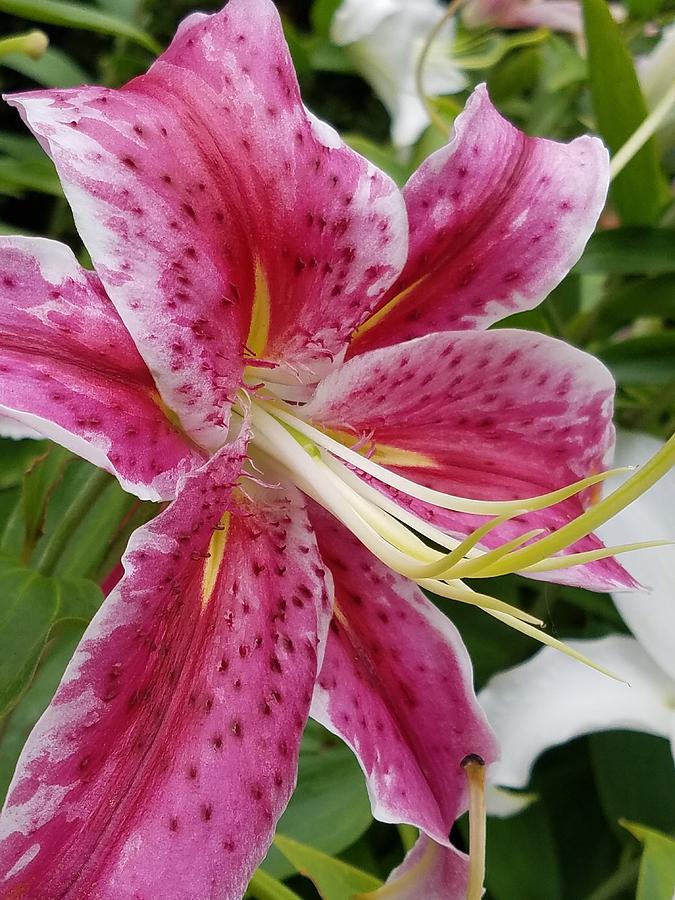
(429,495)
(592,518)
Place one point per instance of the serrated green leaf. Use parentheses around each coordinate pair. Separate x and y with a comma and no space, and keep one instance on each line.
(657,868)
(334,879)
(75,15)
(619,109)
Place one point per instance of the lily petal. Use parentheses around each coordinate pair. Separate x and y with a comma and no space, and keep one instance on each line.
(430,871)
(498,415)
(558,15)
(171,745)
(497,219)
(551,699)
(224,220)
(650,616)
(396,686)
(70,371)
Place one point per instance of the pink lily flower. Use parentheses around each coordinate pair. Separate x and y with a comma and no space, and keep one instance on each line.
(293,351)
(558,15)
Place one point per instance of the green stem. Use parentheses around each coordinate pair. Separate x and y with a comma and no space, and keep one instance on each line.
(51,553)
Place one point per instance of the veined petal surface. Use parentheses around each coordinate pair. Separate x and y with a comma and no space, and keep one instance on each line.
(170,749)
(225,221)
(498,415)
(497,219)
(551,699)
(70,370)
(396,686)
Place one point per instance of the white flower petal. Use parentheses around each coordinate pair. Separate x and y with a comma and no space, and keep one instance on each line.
(551,699)
(650,616)
(385,39)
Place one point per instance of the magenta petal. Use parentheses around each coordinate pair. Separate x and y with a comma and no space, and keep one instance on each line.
(497,415)
(170,749)
(396,686)
(497,219)
(429,871)
(205,193)
(69,369)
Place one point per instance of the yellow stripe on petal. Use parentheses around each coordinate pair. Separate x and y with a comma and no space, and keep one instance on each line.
(384,311)
(258,333)
(385,454)
(216,551)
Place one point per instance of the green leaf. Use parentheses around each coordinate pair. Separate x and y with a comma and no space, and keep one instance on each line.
(75,15)
(54,69)
(39,482)
(636,791)
(644,9)
(321,15)
(15,458)
(15,728)
(264,887)
(30,605)
(657,869)
(27,611)
(330,807)
(75,511)
(619,110)
(334,879)
(510,874)
(629,251)
(652,297)
(648,359)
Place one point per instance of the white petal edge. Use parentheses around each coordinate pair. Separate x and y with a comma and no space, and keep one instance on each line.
(551,699)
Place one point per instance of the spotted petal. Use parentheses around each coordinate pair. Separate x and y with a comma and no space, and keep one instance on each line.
(69,369)
(396,686)
(497,219)
(171,745)
(223,219)
(494,415)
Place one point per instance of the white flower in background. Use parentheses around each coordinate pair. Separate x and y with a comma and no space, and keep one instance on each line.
(551,698)
(384,39)
(657,68)
(656,71)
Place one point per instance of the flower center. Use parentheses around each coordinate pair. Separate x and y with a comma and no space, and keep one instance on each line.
(340,478)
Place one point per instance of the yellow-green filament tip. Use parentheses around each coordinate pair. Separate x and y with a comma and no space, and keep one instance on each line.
(474,767)
(592,518)
(544,638)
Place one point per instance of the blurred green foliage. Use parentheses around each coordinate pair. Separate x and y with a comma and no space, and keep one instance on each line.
(63,525)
